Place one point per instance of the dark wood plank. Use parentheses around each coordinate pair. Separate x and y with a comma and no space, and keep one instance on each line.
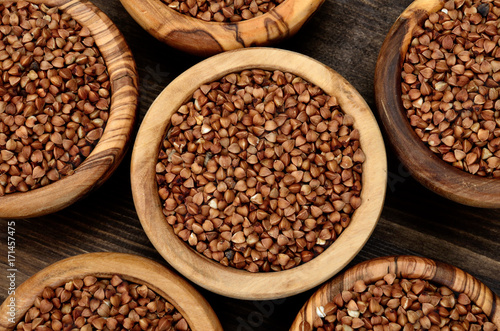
(344,34)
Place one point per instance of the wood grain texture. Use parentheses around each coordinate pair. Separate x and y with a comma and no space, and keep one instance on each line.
(424,165)
(346,35)
(410,267)
(203,38)
(112,146)
(193,307)
(214,276)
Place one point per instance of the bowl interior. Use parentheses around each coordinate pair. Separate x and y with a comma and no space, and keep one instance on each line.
(111,148)
(212,275)
(410,267)
(193,307)
(423,164)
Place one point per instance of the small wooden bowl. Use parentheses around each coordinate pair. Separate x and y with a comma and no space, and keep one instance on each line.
(410,267)
(110,150)
(203,38)
(240,283)
(424,165)
(173,288)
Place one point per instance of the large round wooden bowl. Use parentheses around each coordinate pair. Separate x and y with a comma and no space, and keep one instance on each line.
(240,283)
(111,148)
(410,267)
(173,288)
(204,38)
(424,165)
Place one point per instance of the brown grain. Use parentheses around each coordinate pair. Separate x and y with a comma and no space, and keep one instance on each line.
(396,304)
(101,304)
(450,85)
(223,10)
(54,96)
(260,187)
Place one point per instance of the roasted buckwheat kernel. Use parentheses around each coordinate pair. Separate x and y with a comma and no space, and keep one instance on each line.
(223,10)
(260,171)
(450,85)
(393,304)
(101,304)
(54,95)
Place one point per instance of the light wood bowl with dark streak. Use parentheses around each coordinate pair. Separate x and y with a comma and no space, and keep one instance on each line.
(111,148)
(423,164)
(139,270)
(229,281)
(410,267)
(203,38)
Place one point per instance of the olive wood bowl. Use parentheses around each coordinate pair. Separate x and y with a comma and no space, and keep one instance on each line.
(230,281)
(410,267)
(166,283)
(204,38)
(110,150)
(423,164)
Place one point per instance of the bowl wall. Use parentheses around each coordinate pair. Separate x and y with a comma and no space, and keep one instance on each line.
(203,38)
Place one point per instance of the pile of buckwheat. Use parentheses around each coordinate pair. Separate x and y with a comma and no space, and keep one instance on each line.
(260,171)
(223,10)
(54,95)
(393,304)
(450,85)
(101,304)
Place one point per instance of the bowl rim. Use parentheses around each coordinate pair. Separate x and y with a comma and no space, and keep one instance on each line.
(133,268)
(207,38)
(422,163)
(403,266)
(111,148)
(214,276)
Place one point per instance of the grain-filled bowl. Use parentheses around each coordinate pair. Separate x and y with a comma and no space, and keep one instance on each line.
(68,104)
(107,291)
(209,27)
(401,293)
(437,97)
(267,182)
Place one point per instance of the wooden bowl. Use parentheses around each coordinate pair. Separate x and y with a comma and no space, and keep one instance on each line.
(423,164)
(230,281)
(410,267)
(173,288)
(204,38)
(110,150)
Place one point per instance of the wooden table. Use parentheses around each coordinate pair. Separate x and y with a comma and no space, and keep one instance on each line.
(344,34)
